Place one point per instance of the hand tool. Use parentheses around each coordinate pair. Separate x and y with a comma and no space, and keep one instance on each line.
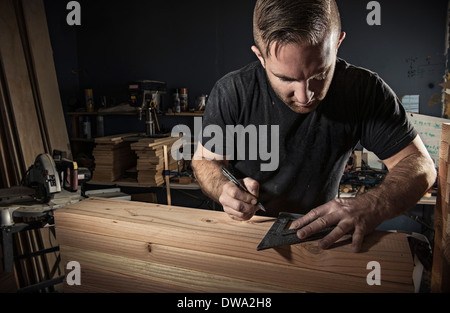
(237,183)
(280,234)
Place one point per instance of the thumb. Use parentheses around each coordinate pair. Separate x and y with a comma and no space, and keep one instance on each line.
(251,185)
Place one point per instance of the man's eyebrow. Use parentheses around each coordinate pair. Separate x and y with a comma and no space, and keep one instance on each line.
(321,71)
(284,77)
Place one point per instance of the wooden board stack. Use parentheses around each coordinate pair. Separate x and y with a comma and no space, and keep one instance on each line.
(113,156)
(32,117)
(440,276)
(150,159)
(125,246)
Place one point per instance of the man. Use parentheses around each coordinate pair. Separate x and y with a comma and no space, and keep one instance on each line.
(323,107)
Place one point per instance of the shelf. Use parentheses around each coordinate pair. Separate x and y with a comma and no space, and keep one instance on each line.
(196,113)
(101,113)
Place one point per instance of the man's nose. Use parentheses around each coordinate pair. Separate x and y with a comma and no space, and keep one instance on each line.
(302,92)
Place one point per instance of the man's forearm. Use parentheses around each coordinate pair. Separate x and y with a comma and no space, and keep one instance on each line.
(402,188)
(210,177)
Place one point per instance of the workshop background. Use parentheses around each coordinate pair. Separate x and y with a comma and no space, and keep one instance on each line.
(186,45)
(193,44)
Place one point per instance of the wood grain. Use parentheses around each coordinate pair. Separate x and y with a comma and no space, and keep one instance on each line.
(21,102)
(440,277)
(210,247)
(45,73)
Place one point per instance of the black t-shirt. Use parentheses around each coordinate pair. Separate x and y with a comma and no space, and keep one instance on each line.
(313,148)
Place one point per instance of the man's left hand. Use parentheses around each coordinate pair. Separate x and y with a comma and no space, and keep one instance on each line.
(347,215)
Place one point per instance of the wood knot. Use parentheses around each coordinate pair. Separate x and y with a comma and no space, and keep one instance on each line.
(208,220)
(312,247)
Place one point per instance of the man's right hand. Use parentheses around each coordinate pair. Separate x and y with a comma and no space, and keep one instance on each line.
(237,203)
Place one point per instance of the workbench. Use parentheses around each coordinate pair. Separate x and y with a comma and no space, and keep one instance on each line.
(127,246)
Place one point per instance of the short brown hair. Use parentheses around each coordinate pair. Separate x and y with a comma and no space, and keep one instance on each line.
(293,21)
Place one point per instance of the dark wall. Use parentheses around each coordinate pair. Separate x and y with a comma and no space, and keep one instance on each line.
(184,43)
(407,49)
(193,43)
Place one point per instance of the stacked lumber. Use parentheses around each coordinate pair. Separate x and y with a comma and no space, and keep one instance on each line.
(150,159)
(30,104)
(125,246)
(440,276)
(113,157)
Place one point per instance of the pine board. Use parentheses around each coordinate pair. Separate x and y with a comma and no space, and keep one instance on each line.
(210,248)
(18,86)
(440,280)
(45,72)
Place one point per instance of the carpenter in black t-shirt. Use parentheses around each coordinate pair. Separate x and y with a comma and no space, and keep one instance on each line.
(308,152)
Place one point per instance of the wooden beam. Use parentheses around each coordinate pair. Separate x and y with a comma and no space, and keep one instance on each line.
(18,87)
(440,277)
(211,248)
(44,72)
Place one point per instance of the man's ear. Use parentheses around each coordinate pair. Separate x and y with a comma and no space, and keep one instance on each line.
(341,39)
(259,55)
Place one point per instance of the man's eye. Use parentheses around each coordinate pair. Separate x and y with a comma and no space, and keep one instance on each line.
(321,77)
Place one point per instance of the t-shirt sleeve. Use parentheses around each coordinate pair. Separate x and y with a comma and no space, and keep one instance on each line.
(385,128)
(221,110)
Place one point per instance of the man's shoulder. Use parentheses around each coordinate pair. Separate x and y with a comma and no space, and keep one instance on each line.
(346,70)
(251,72)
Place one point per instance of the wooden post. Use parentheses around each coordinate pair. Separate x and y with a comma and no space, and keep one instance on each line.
(167,175)
(440,280)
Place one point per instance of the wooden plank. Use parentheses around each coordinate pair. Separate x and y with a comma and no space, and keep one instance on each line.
(196,235)
(19,89)
(11,162)
(311,280)
(115,138)
(93,281)
(440,280)
(151,160)
(209,227)
(113,157)
(45,74)
(163,274)
(167,176)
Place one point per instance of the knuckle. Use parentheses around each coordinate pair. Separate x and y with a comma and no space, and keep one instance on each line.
(251,184)
(233,213)
(222,199)
(322,221)
(314,213)
(232,192)
(241,207)
(341,229)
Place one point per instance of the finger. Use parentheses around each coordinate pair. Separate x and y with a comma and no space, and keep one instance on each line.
(334,236)
(236,215)
(357,240)
(252,186)
(237,208)
(317,225)
(235,192)
(237,205)
(308,218)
